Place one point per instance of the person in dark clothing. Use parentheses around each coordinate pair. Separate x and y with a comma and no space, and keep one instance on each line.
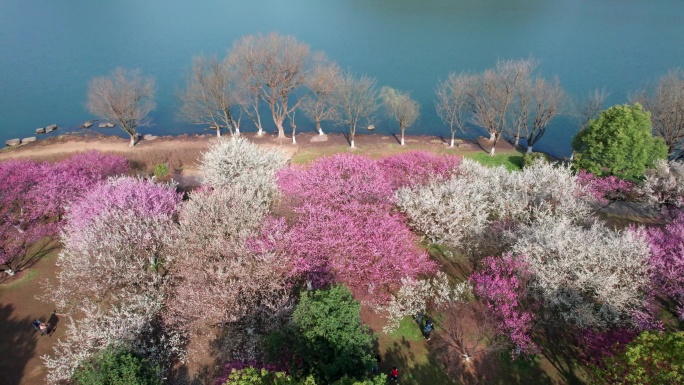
(394,375)
(429,327)
(376,366)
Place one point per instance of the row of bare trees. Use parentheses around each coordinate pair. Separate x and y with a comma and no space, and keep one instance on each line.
(281,75)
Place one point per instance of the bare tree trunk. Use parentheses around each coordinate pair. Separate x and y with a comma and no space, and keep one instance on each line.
(491,152)
(529,149)
(237,131)
(492,136)
(133,136)
(517,140)
(218,131)
(402,137)
(318,127)
(281,130)
(452,138)
(352,132)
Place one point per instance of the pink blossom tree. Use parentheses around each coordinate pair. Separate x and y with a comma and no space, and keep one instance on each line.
(502,283)
(117,241)
(604,189)
(344,226)
(667,262)
(34,196)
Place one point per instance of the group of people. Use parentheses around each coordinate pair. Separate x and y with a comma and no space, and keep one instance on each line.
(394,373)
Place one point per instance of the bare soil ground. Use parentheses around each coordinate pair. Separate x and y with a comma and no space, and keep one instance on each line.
(20,344)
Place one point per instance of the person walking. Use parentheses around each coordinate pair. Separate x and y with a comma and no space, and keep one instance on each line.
(394,375)
(429,327)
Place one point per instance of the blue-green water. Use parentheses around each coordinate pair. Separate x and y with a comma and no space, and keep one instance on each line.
(49,49)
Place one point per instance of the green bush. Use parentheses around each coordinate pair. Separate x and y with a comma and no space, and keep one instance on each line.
(619,142)
(161,171)
(652,358)
(116,367)
(531,157)
(327,337)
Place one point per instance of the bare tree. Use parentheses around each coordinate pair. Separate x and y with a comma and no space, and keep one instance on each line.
(400,107)
(274,66)
(544,103)
(322,82)
(453,105)
(588,108)
(123,96)
(209,96)
(357,100)
(665,102)
(495,93)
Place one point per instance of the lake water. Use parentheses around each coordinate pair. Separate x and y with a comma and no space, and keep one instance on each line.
(49,49)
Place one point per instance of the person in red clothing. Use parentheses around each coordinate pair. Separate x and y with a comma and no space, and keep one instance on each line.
(394,375)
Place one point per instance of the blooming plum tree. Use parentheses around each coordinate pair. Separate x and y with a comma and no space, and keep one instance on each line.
(591,277)
(503,284)
(344,225)
(35,195)
(238,160)
(667,262)
(217,278)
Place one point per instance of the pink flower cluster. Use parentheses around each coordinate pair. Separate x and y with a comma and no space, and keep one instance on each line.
(502,284)
(140,196)
(34,196)
(345,226)
(667,262)
(605,189)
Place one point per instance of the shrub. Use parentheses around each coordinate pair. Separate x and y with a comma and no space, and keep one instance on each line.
(117,367)
(161,171)
(530,157)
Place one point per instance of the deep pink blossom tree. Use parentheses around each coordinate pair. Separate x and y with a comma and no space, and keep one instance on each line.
(417,167)
(605,189)
(502,283)
(34,196)
(344,227)
(667,262)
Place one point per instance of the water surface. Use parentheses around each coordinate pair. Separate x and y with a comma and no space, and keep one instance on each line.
(49,49)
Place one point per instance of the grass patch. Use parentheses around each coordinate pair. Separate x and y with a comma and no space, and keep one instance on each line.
(25,277)
(512,161)
(408,329)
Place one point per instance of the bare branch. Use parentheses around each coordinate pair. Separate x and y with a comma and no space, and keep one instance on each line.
(400,107)
(123,96)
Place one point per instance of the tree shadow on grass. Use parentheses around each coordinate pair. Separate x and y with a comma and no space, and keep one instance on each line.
(557,347)
(18,339)
(414,370)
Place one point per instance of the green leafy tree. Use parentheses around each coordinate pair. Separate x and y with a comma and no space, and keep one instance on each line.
(254,376)
(619,142)
(329,337)
(652,358)
(116,367)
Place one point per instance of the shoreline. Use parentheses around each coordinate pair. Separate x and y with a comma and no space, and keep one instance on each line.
(366,143)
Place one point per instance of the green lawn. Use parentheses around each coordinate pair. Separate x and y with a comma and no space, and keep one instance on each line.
(513,161)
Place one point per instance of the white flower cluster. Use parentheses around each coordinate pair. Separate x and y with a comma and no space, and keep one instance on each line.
(414,296)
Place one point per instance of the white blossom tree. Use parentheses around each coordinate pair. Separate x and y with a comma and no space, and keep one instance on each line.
(592,277)
(239,161)
(218,278)
(414,296)
(133,324)
(664,184)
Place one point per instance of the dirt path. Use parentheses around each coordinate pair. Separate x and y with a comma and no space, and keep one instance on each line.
(20,344)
